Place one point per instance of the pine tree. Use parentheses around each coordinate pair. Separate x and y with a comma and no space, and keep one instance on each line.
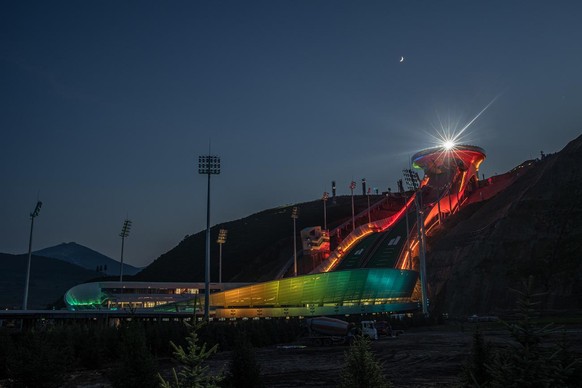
(362,370)
(244,371)
(137,364)
(475,371)
(193,372)
(529,363)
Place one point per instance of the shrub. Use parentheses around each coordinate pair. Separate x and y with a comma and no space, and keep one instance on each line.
(37,361)
(6,351)
(137,367)
(244,371)
(361,369)
(530,362)
(475,371)
(193,371)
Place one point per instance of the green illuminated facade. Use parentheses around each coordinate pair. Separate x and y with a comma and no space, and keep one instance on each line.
(354,291)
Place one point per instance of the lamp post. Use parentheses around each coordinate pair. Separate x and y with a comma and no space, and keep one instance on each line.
(413,182)
(352,187)
(369,211)
(221,240)
(295,216)
(363,186)
(33,215)
(124,233)
(401,190)
(208,165)
(325,198)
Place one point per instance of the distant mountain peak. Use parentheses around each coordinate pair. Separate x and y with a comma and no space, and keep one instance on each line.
(85,257)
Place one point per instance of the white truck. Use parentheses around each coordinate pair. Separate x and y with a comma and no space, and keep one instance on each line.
(325,331)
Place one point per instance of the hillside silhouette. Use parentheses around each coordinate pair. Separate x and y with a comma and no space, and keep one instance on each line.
(87,258)
(257,246)
(532,228)
(49,280)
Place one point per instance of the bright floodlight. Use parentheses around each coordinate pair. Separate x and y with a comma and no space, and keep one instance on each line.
(448,145)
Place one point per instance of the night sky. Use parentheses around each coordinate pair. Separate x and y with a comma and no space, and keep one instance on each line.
(106,105)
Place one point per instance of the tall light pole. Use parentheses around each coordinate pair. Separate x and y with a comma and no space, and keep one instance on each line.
(325,198)
(295,216)
(33,215)
(208,165)
(352,187)
(401,190)
(124,233)
(222,233)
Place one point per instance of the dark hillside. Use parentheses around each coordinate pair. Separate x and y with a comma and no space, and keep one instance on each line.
(87,258)
(49,280)
(534,227)
(257,246)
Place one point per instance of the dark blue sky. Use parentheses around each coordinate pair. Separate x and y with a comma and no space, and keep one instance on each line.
(105,106)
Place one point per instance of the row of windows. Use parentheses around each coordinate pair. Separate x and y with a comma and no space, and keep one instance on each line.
(152,291)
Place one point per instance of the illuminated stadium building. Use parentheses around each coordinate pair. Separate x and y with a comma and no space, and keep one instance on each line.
(373,270)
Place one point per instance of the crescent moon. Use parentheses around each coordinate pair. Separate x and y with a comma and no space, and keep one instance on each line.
(401,59)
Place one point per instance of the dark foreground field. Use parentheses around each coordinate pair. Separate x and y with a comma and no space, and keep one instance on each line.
(421,357)
(424,357)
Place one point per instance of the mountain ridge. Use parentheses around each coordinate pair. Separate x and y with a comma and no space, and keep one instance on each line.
(49,280)
(86,258)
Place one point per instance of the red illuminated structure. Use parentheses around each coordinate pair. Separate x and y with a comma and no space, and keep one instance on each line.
(451,173)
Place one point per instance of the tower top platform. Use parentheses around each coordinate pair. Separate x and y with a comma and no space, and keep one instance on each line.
(437,159)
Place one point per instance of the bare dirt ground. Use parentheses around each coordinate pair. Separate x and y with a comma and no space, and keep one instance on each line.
(417,358)
(425,357)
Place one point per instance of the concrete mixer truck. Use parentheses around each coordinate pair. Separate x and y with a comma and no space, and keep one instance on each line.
(324,331)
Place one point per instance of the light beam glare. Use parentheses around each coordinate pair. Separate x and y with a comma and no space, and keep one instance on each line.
(446,132)
(474,118)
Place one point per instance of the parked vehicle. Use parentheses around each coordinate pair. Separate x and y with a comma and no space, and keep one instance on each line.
(384,328)
(328,331)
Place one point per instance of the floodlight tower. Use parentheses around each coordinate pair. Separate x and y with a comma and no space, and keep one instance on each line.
(222,233)
(208,165)
(33,215)
(124,233)
(413,182)
(295,216)
(325,198)
(352,187)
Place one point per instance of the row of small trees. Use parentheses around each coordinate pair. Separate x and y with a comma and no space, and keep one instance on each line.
(128,353)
